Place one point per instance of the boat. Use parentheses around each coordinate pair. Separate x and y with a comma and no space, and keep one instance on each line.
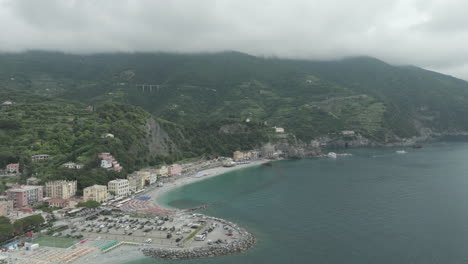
(332,155)
(401,152)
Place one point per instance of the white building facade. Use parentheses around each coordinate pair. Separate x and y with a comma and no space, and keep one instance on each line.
(119,188)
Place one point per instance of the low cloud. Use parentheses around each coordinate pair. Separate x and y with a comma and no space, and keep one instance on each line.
(430,34)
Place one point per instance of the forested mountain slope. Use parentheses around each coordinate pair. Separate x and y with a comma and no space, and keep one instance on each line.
(309,98)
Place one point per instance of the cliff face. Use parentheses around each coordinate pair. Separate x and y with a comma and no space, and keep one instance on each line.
(158,140)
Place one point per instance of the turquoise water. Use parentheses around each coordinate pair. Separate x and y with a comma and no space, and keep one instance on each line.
(374,207)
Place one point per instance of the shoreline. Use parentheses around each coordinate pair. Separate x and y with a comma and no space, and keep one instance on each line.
(157,193)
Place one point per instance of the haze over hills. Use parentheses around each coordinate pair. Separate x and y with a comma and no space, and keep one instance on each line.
(201,102)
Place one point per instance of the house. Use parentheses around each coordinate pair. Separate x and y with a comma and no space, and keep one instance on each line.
(238,156)
(279,129)
(40,157)
(13,168)
(105,155)
(348,133)
(25,195)
(106,164)
(251,155)
(33,181)
(96,193)
(174,170)
(162,171)
(72,165)
(135,181)
(107,135)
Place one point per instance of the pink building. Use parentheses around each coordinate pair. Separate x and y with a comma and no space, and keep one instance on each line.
(12,168)
(174,170)
(105,156)
(24,195)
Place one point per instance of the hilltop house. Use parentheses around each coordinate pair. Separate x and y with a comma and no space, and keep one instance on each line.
(13,168)
(72,165)
(108,162)
(279,129)
(40,157)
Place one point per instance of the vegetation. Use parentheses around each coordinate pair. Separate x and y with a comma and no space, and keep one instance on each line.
(89,204)
(6,228)
(28,223)
(46,208)
(199,105)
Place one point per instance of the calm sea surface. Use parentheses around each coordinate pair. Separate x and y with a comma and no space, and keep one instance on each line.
(374,207)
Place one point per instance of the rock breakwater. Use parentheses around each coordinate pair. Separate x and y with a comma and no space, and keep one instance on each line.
(244,241)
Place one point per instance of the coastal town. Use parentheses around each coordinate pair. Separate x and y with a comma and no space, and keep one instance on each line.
(123,213)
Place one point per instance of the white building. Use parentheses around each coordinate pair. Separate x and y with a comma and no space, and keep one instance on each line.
(106,164)
(279,129)
(120,187)
(348,133)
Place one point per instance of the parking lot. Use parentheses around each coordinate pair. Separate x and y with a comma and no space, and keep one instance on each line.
(182,230)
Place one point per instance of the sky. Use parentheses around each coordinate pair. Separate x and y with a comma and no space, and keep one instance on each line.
(432,34)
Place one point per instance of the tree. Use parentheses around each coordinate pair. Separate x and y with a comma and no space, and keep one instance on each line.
(89,204)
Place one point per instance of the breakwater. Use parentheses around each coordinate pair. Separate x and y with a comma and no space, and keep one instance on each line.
(245,241)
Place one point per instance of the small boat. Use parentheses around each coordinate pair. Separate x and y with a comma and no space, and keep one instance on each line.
(401,152)
(331,155)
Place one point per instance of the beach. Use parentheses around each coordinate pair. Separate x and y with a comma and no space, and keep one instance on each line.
(129,253)
(157,193)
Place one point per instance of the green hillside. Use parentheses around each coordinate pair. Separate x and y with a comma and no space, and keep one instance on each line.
(309,98)
(70,131)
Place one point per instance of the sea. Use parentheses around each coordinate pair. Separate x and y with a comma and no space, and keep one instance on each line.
(377,206)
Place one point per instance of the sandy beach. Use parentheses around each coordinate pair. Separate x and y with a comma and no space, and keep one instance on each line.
(158,192)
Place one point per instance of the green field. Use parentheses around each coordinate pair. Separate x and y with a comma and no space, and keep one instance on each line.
(59,242)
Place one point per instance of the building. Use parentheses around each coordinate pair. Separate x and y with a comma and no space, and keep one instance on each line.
(238,156)
(13,168)
(33,181)
(106,164)
(107,135)
(73,165)
(60,189)
(251,155)
(96,193)
(174,170)
(6,206)
(40,157)
(105,155)
(348,133)
(279,129)
(136,181)
(25,195)
(118,188)
(64,203)
(162,171)
(153,178)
